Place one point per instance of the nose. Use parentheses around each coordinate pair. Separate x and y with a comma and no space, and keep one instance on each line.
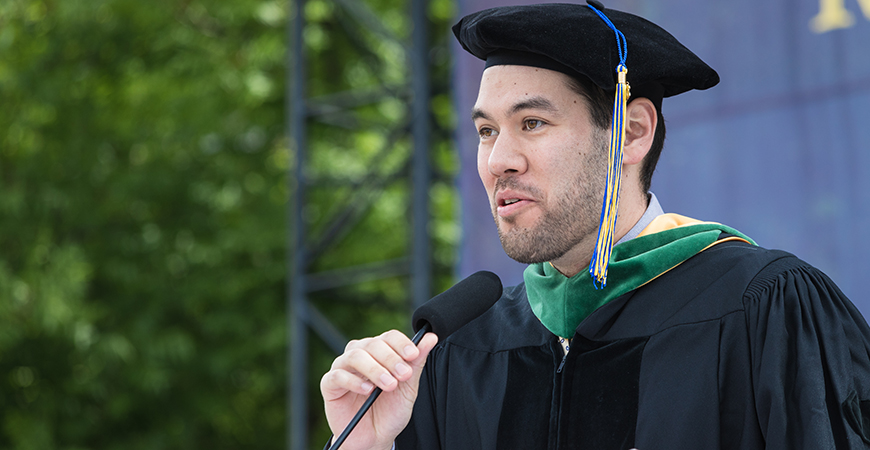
(507,156)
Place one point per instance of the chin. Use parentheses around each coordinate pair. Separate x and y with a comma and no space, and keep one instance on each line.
(520,247)
(525,256)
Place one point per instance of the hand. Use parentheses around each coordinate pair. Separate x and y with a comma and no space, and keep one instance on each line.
(389,361)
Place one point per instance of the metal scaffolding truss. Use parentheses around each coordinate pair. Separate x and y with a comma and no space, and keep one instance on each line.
(304,318)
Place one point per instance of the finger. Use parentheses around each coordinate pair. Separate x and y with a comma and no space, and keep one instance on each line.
(426,345)
(357,343)
(336,383)
(378,363)
(401,344)
(386,354)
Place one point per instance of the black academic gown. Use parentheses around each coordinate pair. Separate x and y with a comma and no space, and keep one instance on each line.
(737,348)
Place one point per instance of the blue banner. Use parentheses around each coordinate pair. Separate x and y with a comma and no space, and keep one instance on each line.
(780,149)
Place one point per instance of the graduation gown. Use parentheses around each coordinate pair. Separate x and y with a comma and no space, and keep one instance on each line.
(737,348)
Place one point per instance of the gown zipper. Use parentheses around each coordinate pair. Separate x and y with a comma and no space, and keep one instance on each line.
(562,364)
(557,385)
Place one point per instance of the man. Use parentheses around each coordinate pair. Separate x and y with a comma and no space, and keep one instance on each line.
(687,336)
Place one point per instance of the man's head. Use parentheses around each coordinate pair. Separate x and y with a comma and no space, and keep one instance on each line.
(562,60)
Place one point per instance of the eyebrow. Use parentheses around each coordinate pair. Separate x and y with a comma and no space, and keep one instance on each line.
(478,113)
(532,103)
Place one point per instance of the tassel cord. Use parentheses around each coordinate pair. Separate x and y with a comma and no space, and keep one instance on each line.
(621,43)
(607,224)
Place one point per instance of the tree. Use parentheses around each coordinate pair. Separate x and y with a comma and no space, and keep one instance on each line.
(143,189)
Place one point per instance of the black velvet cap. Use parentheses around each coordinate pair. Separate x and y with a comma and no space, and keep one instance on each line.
(573,39)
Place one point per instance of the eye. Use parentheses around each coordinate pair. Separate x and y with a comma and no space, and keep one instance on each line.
(531,124)
(486,132)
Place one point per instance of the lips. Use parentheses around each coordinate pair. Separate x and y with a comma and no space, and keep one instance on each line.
(509,203)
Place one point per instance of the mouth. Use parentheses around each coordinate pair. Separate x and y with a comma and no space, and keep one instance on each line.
(509,204)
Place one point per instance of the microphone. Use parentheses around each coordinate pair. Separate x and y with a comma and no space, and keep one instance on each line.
(462,303)
(443,314)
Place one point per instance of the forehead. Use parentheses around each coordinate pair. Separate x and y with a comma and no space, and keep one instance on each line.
(504,85)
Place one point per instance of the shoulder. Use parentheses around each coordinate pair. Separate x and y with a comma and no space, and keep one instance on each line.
(740,259)
(708,286)
(737,276)
(768,274)
(730,269)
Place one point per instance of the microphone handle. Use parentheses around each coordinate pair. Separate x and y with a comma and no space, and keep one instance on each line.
(372,397)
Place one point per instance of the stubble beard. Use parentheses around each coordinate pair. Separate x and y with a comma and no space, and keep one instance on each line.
(567,218)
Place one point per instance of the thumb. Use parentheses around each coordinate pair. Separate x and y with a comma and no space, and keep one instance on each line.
(426,345)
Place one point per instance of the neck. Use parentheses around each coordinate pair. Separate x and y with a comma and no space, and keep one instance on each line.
(577,259)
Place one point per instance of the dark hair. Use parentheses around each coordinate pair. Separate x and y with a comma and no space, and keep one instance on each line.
(601,110)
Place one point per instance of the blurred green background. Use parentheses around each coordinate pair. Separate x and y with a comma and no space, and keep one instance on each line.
(143,213)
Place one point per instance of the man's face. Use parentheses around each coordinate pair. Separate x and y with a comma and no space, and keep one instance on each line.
(541,160)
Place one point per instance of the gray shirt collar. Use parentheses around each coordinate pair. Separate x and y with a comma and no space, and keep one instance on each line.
(653,210)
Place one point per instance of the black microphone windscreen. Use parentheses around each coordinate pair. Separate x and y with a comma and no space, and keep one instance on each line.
(462,303)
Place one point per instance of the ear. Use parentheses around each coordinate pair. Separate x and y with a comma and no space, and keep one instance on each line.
(640,127)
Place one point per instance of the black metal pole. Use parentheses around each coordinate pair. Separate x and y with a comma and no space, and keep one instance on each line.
(421,173)
(297,394)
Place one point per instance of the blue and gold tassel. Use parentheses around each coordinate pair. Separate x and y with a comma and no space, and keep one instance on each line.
(604,244)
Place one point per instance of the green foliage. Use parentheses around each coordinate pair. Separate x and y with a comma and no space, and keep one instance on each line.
(143,192)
